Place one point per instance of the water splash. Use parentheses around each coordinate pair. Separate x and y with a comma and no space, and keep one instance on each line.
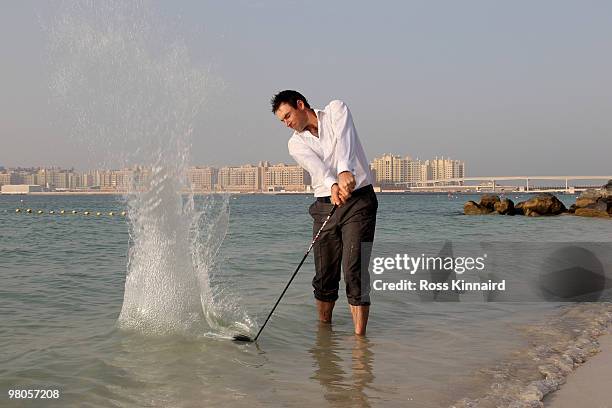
(127,90)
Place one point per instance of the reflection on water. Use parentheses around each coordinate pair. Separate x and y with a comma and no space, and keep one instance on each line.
(363,375)
(342,389)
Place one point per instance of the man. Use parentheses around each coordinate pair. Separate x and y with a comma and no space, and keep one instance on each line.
(325,144)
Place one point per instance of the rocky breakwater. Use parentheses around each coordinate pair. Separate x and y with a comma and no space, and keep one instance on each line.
(540,205)
(594,203)
(591,203)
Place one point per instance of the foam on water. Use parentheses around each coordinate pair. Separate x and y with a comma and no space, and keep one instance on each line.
(130,91)
(555,349)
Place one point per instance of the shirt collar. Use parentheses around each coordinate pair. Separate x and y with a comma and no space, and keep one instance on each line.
(319,113)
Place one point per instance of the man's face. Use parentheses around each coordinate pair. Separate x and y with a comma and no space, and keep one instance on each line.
(294,118)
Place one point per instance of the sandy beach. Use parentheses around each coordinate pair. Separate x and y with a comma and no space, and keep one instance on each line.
(589,385)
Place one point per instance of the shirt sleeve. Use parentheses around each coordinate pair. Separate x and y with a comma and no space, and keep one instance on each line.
(346,135)
(309,160)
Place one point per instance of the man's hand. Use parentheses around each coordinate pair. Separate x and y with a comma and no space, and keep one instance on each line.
(346,182)
(337,197)
(341,191)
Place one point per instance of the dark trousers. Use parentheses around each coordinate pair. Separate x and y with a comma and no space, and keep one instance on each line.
(340,247)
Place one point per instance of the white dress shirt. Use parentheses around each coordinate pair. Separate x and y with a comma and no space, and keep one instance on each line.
(337,149)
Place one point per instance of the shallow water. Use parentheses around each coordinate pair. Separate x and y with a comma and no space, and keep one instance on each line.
(63,287)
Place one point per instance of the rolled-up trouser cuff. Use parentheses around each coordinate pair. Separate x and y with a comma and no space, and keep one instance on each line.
(359,301)
(325,297)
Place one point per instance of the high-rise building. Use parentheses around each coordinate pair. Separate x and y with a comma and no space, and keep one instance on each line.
(415,171)
(114,180)
(87,179)
(388,169)
(202,179)
(392,169)
(30,179)
(5,178)
(442,169)
(241,178)
(284,177)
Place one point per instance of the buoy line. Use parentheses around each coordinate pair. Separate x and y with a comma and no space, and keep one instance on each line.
(63,212)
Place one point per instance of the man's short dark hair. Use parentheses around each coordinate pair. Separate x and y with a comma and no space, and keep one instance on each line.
(287,96)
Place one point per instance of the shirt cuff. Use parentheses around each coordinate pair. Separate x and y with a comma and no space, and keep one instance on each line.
(329,182)
(345,166)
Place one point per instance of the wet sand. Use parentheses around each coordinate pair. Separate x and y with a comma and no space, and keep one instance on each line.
(557,350)
(589,385)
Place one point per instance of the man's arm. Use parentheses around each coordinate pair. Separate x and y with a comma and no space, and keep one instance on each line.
(308,160)
(346,134)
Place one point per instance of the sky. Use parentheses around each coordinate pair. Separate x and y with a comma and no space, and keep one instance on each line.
(511,88)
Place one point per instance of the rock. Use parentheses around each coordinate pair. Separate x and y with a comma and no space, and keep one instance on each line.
(530,213)
(486,205)
(600,205)
(595,202)
(489,200)
(591,212)
(543,204)
(584,201)
(473,208)
(504,207)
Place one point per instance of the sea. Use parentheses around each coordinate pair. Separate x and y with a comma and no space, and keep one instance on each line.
(64,288)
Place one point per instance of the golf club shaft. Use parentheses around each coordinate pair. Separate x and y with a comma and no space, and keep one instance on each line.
(296,271)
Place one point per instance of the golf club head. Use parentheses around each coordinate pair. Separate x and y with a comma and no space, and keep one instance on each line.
(242,338)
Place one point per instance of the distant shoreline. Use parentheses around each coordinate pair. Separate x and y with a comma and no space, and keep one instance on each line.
(284,193)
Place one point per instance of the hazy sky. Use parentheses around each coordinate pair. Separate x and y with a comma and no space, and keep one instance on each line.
(515,87)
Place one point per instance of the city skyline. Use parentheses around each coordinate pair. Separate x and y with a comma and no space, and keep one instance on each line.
(388,169)
(200,164)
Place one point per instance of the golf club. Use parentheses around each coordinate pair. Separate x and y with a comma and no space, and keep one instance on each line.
(247,339)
